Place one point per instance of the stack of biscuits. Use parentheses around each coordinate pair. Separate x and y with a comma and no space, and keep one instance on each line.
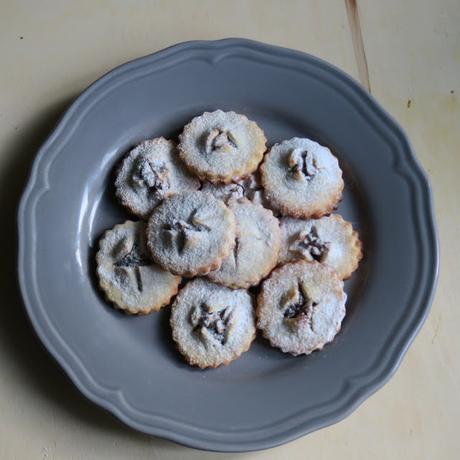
(233,237)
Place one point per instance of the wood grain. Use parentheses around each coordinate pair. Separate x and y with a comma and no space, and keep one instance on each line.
(358,44)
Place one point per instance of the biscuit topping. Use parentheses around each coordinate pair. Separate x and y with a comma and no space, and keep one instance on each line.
(219,140)
(128,258)
(234,191)
(212,323)
(235,251)
(185,234)
(248,187)
(298,306)
(310,244)
(154,176)
(302,164)
(252,189)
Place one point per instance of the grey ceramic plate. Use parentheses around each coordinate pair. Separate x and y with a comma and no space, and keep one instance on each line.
(129,365)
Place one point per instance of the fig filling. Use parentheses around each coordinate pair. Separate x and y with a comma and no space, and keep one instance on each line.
(302,164)
(310,244)
(184,234)
(298,305)
(154,177)
(235,250)
(211,322)
(134,259)
(220,140)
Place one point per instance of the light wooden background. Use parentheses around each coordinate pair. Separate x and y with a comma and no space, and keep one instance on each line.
(406,52)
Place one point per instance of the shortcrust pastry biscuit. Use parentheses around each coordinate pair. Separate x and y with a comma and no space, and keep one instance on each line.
(302,178)
(212,324)
(127,274)
(149,173)
(256,249)
(300,307)
(330,240)
(191,233)
(222,146)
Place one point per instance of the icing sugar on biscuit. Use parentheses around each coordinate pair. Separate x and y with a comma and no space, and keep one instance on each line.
(149,173)
(256,246)
(301,178)
(127,274)
(190,234)
(330,240)
(222,146)
(211,324)
(300,307)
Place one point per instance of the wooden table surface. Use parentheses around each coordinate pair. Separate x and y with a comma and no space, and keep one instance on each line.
(407,53)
